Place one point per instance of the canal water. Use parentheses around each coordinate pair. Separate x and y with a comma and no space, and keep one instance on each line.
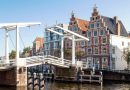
(75,86)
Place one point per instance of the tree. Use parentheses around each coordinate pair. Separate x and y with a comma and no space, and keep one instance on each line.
(79,54)
(126,55)
(12,55)
(67,52)
(26,50)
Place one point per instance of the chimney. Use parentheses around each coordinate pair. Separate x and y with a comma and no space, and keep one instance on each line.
(116,19)
(117,25)
(118,29)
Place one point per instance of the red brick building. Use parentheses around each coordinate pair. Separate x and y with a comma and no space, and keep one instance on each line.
(98,30)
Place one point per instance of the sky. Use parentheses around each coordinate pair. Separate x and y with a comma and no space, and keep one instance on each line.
(48,11)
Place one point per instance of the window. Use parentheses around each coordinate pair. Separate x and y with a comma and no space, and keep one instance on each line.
(96,18)
(82,43)
(104,50)
(101,32)
(93,18)
(89,34)
(98,25)
(113,50)
(71,29)
(122,43)
(92,25)
(95,33)
(71,23)
(96,50)
(74,22)
(75,29)
(89,42)
(128,43)
(103,40)
(95,41)
(89,50)
(113,63)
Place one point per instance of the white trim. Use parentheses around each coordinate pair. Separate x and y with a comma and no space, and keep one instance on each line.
(93,33)
(94,50)
(91,50)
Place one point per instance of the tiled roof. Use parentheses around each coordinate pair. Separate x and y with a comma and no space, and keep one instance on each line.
(82,24)
(41,41)
(111,26)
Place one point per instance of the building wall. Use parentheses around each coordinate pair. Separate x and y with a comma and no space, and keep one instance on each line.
(116,41)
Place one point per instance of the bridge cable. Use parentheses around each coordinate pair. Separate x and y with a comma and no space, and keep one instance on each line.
(21,40)
(11,41)
(30,35)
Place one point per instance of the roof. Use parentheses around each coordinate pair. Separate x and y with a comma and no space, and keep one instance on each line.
(111,26)
(82,24)
(41,41)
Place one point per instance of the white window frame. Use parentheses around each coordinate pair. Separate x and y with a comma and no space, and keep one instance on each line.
(76,29)
(97,41)
(81,43)
(94,50)
(91,26)
(93,33)
(87,51)
(103,32)
(90,43)
(96,25)
(102,40)
(71,28)
(88,34)
(114,49)
(102,49)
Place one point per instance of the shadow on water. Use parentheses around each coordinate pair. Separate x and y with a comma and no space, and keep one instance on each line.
(108,85)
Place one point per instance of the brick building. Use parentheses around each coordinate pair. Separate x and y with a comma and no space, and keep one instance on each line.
(101,31)
(38,46)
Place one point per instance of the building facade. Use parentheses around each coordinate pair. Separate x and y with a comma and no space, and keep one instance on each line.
(37,46)
(102,32)
(52,40)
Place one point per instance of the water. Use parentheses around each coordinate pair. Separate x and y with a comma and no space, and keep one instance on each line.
(74,86)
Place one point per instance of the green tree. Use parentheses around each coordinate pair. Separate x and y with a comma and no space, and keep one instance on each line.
(25,50)
(126,55)
(67,52)
(12,55)
(79,54)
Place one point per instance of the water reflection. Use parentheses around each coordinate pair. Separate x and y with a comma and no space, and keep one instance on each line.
(73,86)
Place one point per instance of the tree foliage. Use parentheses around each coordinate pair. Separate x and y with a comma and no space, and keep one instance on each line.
(12,54)
(126,55)
(25,50)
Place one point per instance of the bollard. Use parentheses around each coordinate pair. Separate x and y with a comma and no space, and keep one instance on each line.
(34,80)
(41,81)
(52,71)
(48,71)
(29,79)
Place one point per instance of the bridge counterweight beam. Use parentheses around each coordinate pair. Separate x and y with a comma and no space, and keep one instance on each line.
(7,47)
(17,44)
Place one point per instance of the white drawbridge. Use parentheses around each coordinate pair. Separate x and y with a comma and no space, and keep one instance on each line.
(36,60)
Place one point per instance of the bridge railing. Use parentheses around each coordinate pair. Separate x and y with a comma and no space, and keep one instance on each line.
(65,61)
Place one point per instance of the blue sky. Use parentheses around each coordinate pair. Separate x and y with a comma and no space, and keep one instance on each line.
(48,11)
